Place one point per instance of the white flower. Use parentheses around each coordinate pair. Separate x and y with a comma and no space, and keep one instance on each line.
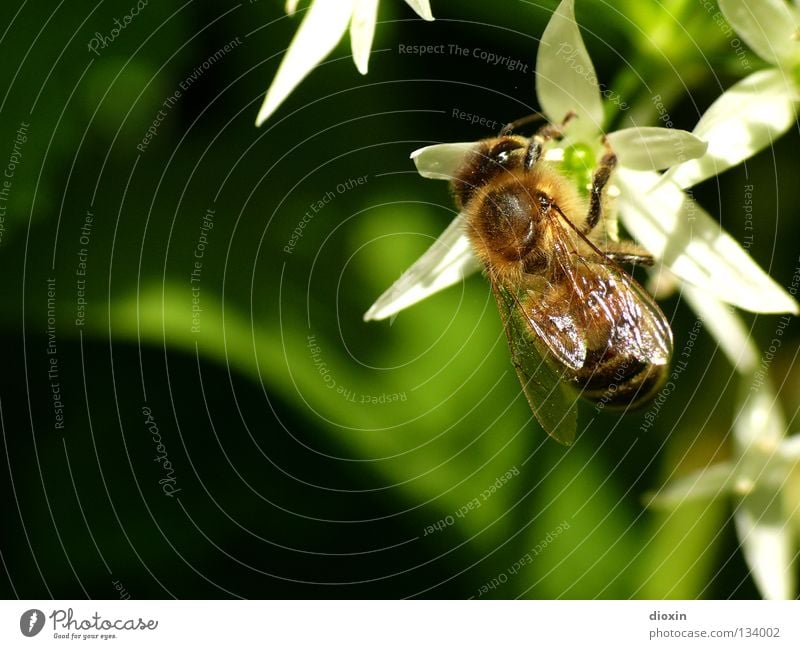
(689,243)
(716,272)
(322,28)
(761,107)
(693,245)
(659,215)
(762,478)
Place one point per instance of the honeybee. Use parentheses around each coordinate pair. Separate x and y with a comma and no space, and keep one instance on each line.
(578,324)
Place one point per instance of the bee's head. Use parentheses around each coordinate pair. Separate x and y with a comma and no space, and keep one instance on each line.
(490,158)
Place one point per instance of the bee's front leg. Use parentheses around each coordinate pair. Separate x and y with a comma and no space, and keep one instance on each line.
(548,132)
(599,182)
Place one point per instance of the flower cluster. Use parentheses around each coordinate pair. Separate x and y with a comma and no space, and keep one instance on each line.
(714,272)
(656,166)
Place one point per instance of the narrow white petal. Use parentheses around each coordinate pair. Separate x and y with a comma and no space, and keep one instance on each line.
(767,541)
(709,483)
(422,7)
(767,26)
(790,447)
(565,77)
(448,261)
(651,147)
(743,120)
(761,519)
(441,161)
(362,29)
(759,425)
(726,327)
(291,6)
(693,245)
(322,28)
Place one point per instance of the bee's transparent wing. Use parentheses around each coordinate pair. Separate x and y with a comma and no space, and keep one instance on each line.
(551,399)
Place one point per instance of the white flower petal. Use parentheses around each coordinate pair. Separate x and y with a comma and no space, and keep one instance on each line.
(761,520)
(767,26)
(651,147)
(448,261)
(693,245)
(701,485)
(565,77)
(726,327)
(790,447)
(743,120)
(322,28)
(759,425)
(441,161)
(362,30)
(291,6)
(422,7)
(767,542)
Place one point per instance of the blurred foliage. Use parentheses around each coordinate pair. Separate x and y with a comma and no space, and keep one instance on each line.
(296,482)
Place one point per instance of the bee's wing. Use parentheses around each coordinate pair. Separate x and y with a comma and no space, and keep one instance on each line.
(587,309)
(601,305)
(600,311)
(635,325)
(551,399)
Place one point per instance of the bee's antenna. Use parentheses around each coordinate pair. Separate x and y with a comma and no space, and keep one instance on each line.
(522,121)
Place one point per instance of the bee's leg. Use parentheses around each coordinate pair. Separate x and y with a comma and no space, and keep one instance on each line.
(545,134)
(626,252)
(522,121)
(599,182)
(628,258)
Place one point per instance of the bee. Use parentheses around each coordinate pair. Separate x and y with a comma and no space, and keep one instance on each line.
(578,324)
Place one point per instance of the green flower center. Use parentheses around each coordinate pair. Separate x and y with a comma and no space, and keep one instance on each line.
(578,163)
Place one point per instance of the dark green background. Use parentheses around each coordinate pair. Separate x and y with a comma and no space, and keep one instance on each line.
(288,489)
